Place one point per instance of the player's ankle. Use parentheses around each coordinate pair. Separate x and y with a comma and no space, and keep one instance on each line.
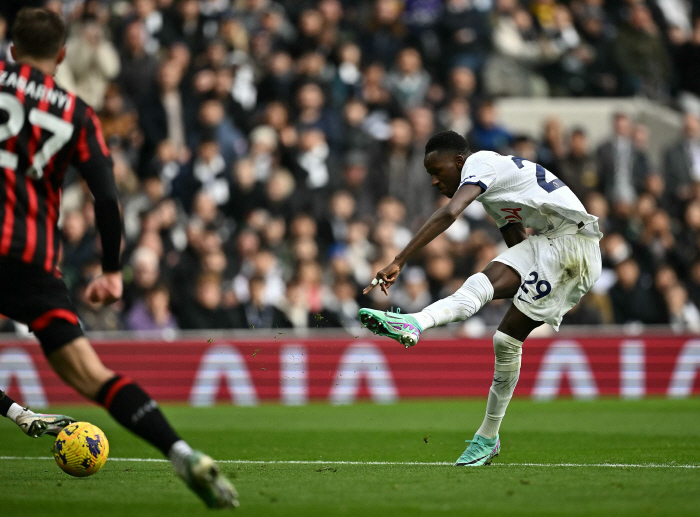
(178,454)
(424,320)
(490,439)
(17,411)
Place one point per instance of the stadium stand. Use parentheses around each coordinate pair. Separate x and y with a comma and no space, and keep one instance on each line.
(269,155)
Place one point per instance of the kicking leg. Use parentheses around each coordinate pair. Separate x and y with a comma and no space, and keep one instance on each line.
(507,345)
(79,366)
(496,281)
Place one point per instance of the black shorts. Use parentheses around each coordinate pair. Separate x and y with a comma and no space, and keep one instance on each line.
(38,299)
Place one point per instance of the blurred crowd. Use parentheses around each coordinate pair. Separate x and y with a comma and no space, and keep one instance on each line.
(269,155)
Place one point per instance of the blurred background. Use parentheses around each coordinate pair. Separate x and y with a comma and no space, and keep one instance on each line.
(269,155)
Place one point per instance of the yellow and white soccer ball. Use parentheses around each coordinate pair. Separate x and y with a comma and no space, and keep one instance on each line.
(81,449)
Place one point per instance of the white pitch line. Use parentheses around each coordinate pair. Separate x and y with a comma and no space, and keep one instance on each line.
(398,463)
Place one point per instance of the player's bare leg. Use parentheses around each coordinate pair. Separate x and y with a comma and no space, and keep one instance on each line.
(507,345)
(79,366)
(32,424)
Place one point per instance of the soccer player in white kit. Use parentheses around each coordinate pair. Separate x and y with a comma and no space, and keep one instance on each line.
(545,274)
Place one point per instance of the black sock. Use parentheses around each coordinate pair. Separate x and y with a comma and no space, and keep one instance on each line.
(139,413)
(5,403)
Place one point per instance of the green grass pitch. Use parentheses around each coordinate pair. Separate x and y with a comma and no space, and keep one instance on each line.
(581,434)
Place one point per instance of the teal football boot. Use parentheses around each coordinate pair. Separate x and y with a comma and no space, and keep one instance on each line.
(480,452)
(400,327)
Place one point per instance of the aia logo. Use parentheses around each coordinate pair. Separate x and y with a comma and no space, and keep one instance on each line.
(514,217)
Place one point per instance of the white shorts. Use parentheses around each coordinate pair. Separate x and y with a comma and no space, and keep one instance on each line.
(555,274)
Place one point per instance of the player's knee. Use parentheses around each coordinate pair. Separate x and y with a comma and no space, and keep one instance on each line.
(476,292)
(508,352)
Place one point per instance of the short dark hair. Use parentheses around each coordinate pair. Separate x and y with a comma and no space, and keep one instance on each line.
(447,141)
(38,33)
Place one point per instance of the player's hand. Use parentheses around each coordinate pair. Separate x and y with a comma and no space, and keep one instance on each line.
(385,278)
(106,288)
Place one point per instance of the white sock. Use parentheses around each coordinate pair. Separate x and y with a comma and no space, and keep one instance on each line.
(476,292)
(177,455)
(507,370)
(17,411)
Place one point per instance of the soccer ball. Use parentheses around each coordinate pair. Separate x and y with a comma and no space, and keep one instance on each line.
(81,449)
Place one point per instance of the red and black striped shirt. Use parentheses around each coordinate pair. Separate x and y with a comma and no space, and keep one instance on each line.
(43,130)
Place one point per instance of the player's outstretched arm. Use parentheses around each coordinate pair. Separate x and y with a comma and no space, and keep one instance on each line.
(95,165)
(107,288)
(440,221)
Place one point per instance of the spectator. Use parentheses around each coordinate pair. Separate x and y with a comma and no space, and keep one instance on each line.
(584,313)
(598,35)
(687,56)
(462,83)
(684,315)
(78,242)
(402,168)
(186,24)
(525,147)
(91,63)
(386,34)
(145,269)
(413,293)
(464,34)
(622,167)
(348,75)
(487,134)
(641,54)
(633,297)
(694,283)
(344,306)
(456,116)
(4,46)
(256,313)
(296,311)
(119,123)
(520,50)
(313,113)
(208,174)
(313,168)
(215,124)
(409,82)
(682,161)
(355,134)
(138,67)
(578,168)
(166,112)
(153,312)
(206,311)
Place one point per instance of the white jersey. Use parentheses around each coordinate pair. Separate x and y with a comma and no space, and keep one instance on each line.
(520,191)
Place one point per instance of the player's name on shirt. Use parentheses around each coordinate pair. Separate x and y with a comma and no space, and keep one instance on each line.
(35,90)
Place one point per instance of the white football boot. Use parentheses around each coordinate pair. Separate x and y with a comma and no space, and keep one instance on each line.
(38,424)
(203,476)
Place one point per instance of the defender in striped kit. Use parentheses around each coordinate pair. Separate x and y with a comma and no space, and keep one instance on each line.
(44,130)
